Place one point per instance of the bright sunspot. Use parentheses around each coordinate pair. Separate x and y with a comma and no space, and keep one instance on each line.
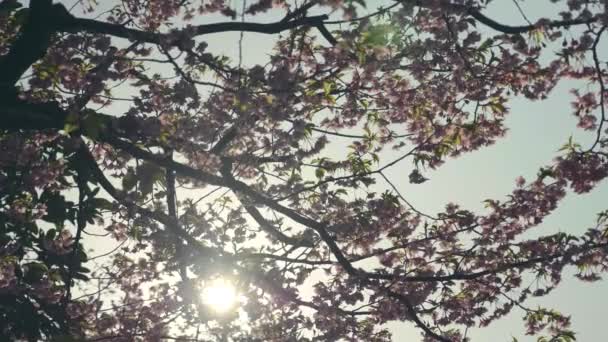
(220,295)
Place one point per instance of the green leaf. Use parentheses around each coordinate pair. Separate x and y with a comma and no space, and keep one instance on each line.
(319,172)
(82,256)
(50,234)
(486,44)
(416,177)
(129,180)
(570,146)
(101,203)
(359,2)
(84,270)
(545,172)
(377,35)
(92,125)
(65,338)
(497,108)
(8,6)
(81,276)
(56,206)
(147,175)
(21,16)
(71,123)
(35,271)
(327,87)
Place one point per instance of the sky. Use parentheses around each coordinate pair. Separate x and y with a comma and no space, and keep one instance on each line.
(536,131)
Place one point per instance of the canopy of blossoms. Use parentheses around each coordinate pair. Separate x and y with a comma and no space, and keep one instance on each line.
(120,127)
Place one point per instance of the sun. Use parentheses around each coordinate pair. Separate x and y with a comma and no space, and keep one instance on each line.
(220,295)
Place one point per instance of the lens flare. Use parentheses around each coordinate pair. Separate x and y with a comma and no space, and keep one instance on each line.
(220,295)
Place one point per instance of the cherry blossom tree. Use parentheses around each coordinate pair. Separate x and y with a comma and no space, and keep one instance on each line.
(121,128)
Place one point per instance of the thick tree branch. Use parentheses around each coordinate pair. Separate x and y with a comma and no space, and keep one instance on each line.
(300,12)
(172,208)
(524,28)
(508,29)
(18,115)
(117,30)
(160,160)
(225,140)
(44,19)
(602,86)
(30,45)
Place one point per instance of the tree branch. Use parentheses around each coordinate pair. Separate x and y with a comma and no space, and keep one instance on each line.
(508,29)
(30,45)
(496,270)
(414,316)
(117,30)
(276,233)
(17,114)
(172,207)
(44,19)
(524,28)
(265,224)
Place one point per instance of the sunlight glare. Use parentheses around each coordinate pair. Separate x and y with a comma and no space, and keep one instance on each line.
(220,295)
